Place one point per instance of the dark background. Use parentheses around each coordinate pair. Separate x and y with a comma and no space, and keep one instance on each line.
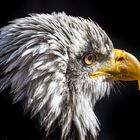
(119,113)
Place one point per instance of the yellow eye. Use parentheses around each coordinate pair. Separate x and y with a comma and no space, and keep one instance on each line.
(89,59)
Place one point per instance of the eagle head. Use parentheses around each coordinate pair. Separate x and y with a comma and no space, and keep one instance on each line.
(59,66)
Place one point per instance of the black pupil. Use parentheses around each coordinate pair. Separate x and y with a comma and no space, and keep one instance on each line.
(90,57)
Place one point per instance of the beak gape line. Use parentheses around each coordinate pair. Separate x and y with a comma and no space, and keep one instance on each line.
(124,67)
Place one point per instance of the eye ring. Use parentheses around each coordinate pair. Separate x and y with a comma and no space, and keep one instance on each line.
(89,59)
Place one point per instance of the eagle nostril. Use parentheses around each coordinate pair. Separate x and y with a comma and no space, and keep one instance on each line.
(120,59)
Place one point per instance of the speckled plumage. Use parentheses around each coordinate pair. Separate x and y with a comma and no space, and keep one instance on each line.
(41,59)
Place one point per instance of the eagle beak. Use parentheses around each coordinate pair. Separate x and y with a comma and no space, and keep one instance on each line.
(123,67)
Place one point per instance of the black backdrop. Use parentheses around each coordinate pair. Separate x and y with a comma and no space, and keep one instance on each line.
(118,114)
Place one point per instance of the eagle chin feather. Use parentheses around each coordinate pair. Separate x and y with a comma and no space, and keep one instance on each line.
(39,61)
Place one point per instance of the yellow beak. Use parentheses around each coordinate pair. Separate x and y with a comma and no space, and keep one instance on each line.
(124,67)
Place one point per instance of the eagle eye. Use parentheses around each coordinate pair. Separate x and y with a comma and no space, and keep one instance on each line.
(89,59)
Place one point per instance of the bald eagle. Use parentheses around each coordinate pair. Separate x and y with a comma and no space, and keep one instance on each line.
(59,66)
